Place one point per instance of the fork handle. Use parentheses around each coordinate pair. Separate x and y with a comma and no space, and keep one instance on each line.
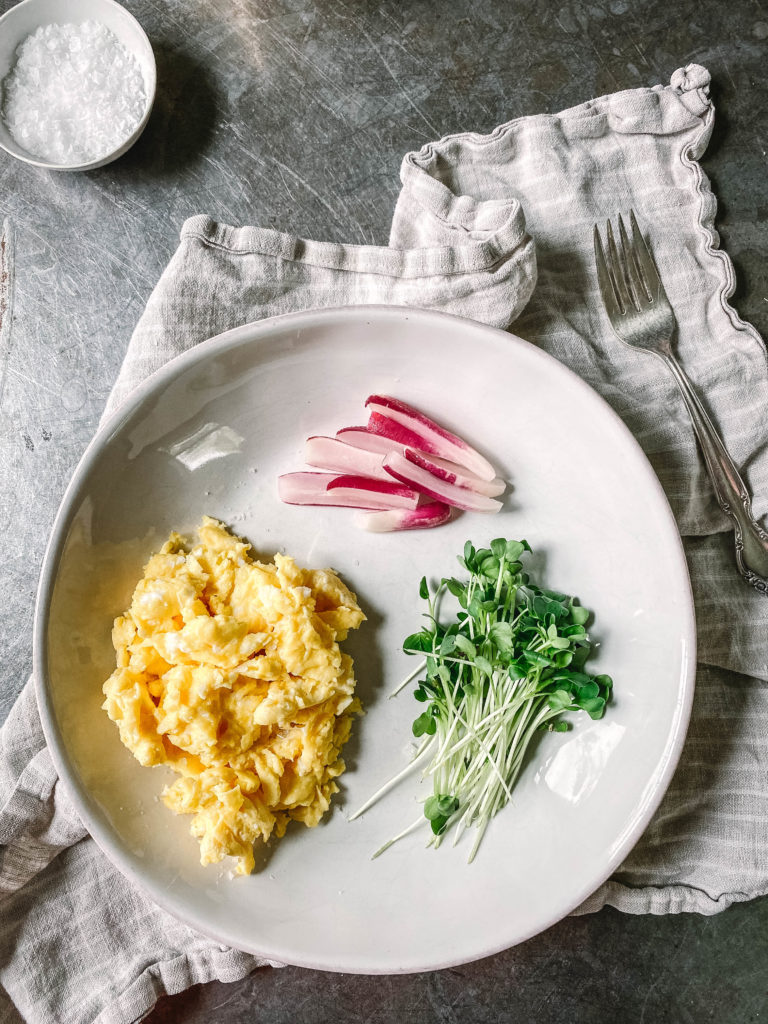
(730,490)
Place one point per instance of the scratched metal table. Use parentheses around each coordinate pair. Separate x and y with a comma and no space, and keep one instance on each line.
(295,114)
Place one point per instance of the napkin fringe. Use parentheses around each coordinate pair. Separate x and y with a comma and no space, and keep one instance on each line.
(690,156)
(657,900)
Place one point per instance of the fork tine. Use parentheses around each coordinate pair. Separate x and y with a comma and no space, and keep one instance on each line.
(607,290)
(617,273)
(647,264)
(635,281)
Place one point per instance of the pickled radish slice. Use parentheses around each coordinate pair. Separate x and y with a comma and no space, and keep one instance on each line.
(453,474)
(335,454)
(362,437)
(422,480)
(424,434)
(423,517)
(346,491)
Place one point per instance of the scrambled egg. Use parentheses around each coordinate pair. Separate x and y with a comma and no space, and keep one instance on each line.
(229,671)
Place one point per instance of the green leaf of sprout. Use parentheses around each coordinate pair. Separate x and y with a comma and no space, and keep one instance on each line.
(559,700)
(483,665)
(588,691)
(447,644)
(421,641)
(579,615)
(465,645)
(425,724)
(514,549)
(440,805)
(595,707)
(438,810)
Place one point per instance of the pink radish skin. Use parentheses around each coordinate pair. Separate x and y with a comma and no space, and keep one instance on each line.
(335,454)
(354,481)
(344,491)
(401,469)
(400,437)
(432,437)
(424,517)
(453,474)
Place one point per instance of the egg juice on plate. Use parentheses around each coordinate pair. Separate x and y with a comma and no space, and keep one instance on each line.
(229,671)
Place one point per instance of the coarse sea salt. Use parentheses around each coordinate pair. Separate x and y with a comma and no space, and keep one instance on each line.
(74,95)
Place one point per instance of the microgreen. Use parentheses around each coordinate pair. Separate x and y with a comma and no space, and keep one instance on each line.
(509,664)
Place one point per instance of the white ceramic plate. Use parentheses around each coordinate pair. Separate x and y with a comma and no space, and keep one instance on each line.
(584,496)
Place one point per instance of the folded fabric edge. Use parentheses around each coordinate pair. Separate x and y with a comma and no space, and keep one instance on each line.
(171,977)
(672,899)
(693,78)
(469,255)
(707,212)
(688,86)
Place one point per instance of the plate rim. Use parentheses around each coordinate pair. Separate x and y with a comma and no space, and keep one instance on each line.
(252,333)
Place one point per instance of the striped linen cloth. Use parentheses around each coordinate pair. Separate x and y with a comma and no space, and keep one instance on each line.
(459,243)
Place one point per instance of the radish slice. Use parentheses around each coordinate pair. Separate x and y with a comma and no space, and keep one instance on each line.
(332,453)
(453,474)
(430,436)
(346,491)
(396,494)
(460,497)
(362,437)
(432,513)
(398,436)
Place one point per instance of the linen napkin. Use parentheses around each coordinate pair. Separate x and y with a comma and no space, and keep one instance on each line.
(459,243)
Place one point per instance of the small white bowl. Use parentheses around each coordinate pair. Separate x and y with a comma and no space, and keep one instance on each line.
(23,19)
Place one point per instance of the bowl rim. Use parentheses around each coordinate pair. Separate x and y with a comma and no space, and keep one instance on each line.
(253,333)
(125,145)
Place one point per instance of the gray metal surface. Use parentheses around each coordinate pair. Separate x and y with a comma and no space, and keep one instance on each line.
(296,115)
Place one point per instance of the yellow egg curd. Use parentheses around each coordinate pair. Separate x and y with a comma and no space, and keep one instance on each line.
(229,671)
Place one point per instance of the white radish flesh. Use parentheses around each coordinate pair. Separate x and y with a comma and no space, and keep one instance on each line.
(362,437)
(433,438)
(414,476)
(335,454)
(423,517)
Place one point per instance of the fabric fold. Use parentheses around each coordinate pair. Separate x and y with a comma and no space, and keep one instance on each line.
(234,275)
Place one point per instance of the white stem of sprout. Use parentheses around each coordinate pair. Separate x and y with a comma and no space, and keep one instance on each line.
(407,679)
(393,781)
(420,821)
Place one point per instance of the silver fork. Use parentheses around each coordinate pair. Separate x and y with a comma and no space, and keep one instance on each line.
(641,316)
